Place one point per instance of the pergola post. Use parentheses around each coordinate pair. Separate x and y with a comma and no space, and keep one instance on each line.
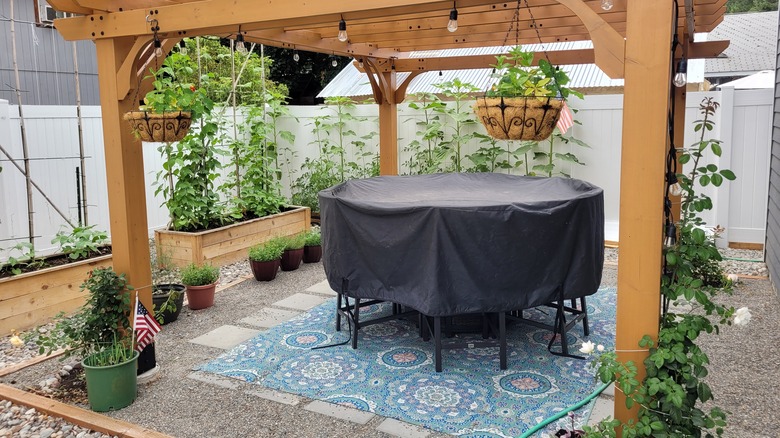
(388,125)
(124,171)
(645,141)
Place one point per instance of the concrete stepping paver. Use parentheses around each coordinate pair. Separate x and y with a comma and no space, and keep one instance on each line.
(323,288)
(268,317)
(225,337)
(300,301)
(603,408)
(401,429)
(340,412)
(277,396)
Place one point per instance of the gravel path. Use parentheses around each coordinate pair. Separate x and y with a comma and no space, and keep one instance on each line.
(194,409)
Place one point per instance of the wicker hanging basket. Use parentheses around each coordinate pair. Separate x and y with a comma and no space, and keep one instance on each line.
(519,118)
(159,127)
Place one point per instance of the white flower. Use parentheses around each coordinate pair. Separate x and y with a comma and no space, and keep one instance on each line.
(16,341)
(742,316)
(587,347)
(734,278)
(600,348)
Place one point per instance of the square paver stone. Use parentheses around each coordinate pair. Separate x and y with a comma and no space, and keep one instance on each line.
(268,317)
(323,288)
(225,337)
(340,412)
(603,408)
(402,429)
(300,301)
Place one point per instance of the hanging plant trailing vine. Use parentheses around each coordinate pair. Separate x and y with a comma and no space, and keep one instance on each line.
(671,394)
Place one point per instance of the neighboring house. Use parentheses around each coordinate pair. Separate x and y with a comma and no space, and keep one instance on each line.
(753,37)
(772,244)
(44,59)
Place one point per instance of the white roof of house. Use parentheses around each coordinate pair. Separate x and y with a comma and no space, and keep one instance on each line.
(762,79)
(584,77)
(753,47)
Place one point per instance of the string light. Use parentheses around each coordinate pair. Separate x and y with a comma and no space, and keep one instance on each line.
(452,25)
(182,47)
(334,62)
(158,52)
(360,63)
(240,46)
(681,78)
(296,56)
(343,31)
(607,4)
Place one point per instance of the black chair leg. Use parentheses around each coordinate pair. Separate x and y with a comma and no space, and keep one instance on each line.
(357,324)
(437,340)
(338,313)
(585,328)
(502,340)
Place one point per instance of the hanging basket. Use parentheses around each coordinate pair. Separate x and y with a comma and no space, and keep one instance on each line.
(159,127)
(519,118)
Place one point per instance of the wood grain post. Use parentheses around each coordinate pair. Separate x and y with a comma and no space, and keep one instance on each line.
(388,126)
(645,143)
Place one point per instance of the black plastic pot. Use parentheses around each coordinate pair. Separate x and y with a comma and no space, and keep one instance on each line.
(160,296)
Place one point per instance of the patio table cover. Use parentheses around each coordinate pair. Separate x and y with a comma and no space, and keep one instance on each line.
(452,244)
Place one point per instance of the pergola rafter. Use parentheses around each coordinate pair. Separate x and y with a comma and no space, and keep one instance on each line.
(633,40)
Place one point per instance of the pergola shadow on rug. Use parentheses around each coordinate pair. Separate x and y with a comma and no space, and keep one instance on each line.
(392,373)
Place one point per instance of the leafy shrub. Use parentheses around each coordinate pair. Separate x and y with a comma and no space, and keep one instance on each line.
(199,275)
(81,242)
(313,237)
(267,252)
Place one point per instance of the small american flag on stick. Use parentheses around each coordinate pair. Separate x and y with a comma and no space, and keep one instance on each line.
(144,325)
(566,120)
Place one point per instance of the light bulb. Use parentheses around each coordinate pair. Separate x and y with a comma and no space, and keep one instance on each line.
(675,189)
(158,48)
(607,4)
(452,25)
(680,79)
(360,63)
(334,63)
(182,47)
(343,31)
(296,56)
(241,47)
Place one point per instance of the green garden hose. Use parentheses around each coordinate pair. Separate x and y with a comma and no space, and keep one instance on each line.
(742,260)
(582,403)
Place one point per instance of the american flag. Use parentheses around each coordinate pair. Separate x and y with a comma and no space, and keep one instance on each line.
(144,325)
(566,120)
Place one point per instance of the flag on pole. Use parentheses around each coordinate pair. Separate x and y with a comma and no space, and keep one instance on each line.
(566,120)
(144,325)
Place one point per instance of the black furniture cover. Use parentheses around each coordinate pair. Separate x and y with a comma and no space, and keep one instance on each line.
(451,244)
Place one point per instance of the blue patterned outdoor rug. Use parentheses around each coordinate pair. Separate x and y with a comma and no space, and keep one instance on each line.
(392,373)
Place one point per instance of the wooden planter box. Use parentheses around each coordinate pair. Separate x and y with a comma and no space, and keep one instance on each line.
(31,299)
(229,244)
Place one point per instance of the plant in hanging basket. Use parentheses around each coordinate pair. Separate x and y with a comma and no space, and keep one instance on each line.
(171,105)
(526,102)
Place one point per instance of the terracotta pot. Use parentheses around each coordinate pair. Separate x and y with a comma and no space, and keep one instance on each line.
(264,271)
(201,297)
(312,254)
(291,259)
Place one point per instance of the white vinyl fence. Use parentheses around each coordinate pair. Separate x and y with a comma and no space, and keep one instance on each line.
(743,123)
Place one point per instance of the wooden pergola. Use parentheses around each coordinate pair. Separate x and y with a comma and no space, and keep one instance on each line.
(632,40)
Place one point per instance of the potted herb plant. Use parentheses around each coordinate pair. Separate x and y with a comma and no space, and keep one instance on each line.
(526,102)
(100,333)
(312,249)
(293,252)
(201,283)
(171,105)
(265,258)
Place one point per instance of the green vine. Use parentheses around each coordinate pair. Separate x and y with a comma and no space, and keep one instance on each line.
(671,395)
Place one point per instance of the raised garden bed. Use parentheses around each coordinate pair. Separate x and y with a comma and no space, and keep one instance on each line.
(231,243)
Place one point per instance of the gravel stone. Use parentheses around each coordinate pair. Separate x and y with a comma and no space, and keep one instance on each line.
(196,410)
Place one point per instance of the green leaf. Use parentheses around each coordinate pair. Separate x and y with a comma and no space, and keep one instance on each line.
(729,175)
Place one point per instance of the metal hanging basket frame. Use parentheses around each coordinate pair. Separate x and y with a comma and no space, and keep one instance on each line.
(159,127)
(519,118)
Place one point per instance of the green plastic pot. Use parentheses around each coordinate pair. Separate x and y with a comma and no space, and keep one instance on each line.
(111,387)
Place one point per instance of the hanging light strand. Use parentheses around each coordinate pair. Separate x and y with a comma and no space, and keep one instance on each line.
(343,37)
(452,24)
(240,46)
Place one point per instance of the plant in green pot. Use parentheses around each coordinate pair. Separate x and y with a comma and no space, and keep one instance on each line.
(527,100)
(293,252)
(265,258)
(100,333)
(312,249)
(201,283)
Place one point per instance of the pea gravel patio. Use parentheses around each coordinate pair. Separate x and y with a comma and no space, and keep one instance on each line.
(182,403)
